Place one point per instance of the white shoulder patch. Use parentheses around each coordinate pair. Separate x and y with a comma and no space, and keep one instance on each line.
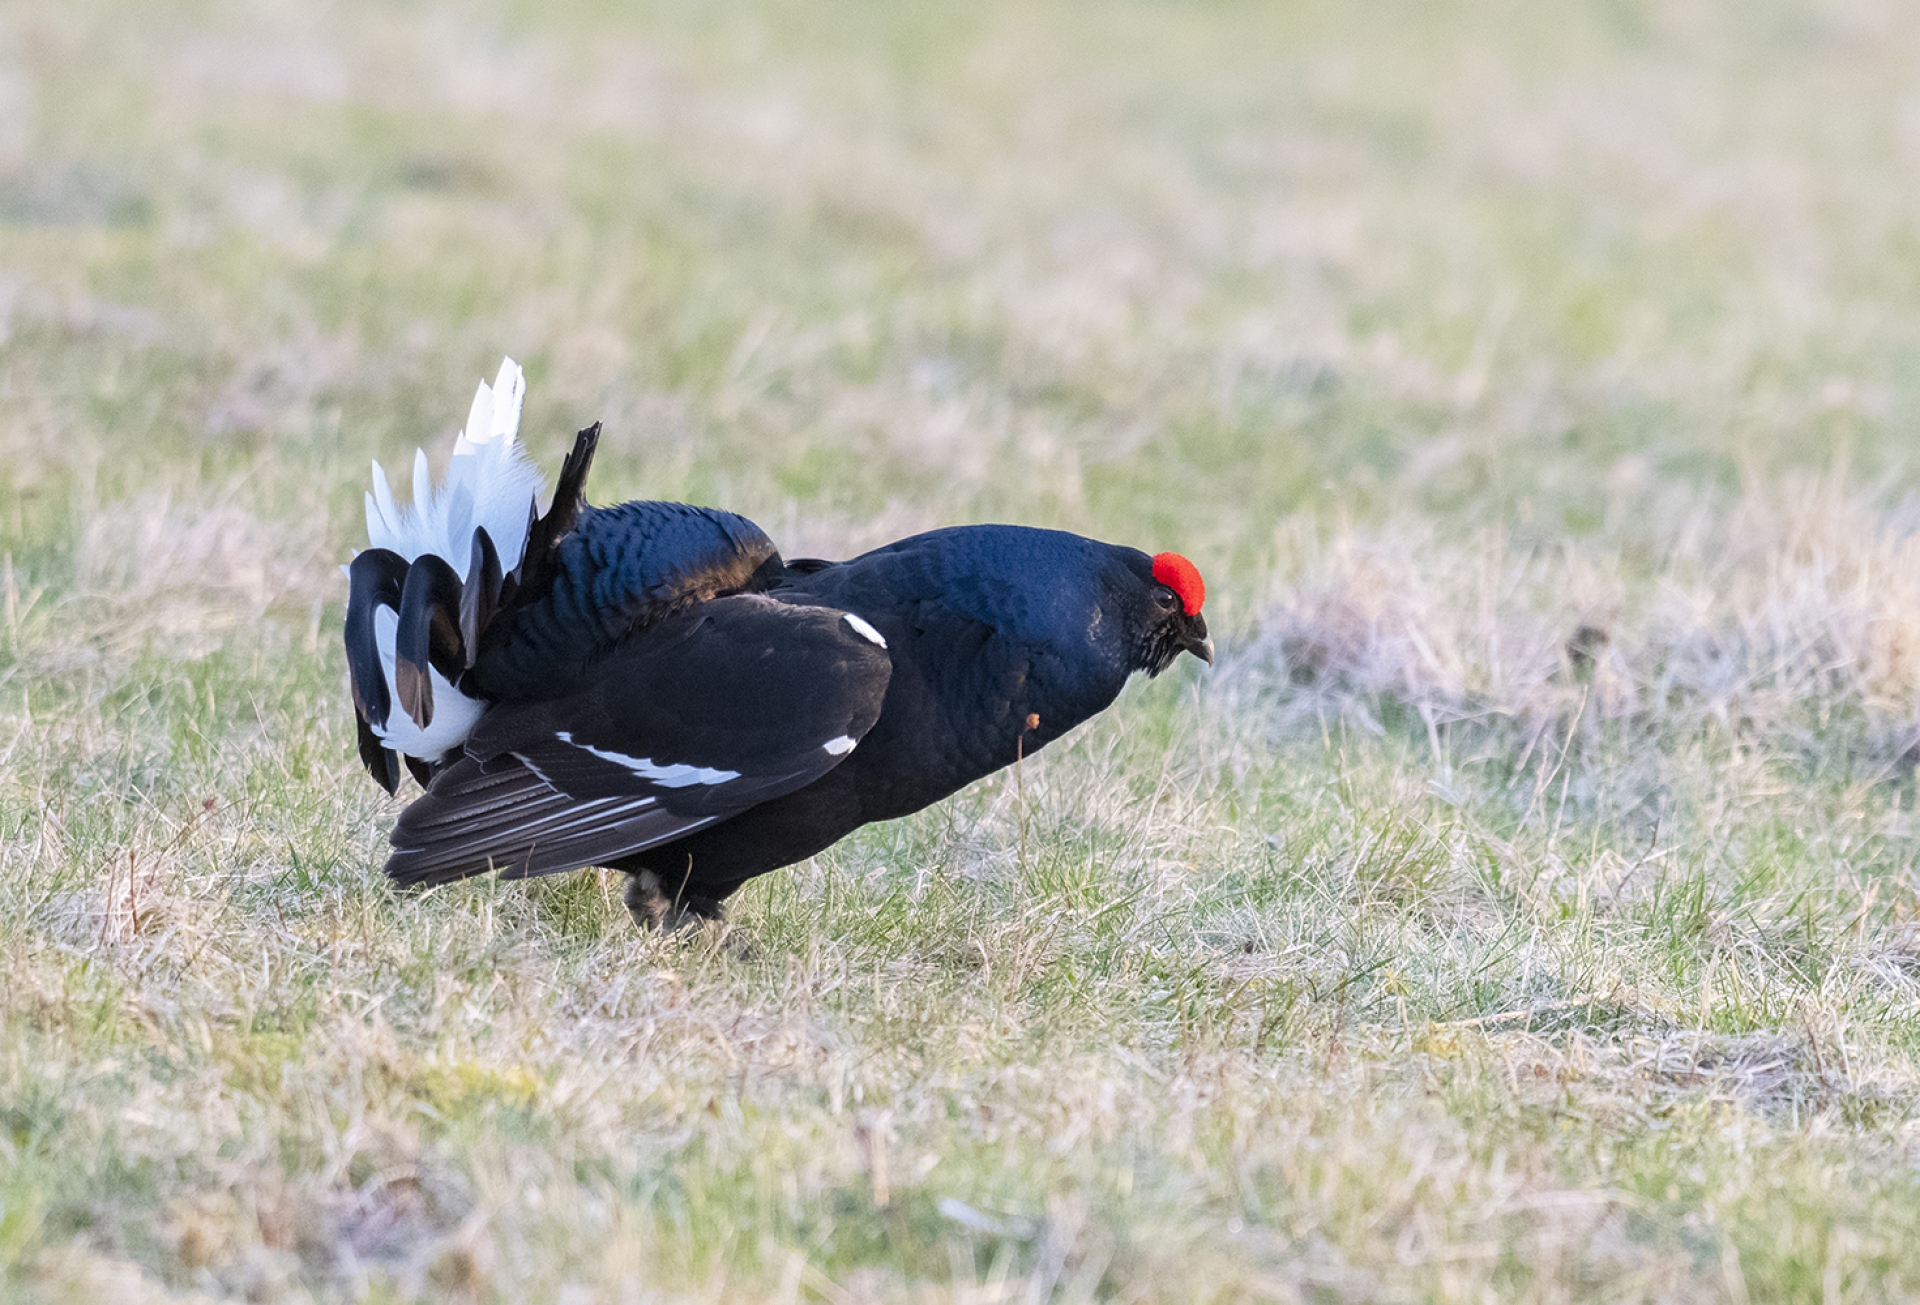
(841,746)
(675,776)
(864,630)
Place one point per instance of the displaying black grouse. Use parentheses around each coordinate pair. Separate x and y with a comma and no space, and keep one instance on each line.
(650,687)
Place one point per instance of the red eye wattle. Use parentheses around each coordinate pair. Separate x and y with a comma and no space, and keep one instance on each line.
(1183,577)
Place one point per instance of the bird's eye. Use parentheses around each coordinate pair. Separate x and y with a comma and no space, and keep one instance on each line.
(1167,599)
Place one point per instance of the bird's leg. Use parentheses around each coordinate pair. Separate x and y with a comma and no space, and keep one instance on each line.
(1019,784)
(651,907)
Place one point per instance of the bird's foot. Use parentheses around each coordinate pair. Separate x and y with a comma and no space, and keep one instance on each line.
(652,908)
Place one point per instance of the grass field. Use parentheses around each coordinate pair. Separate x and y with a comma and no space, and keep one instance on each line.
(1526,907)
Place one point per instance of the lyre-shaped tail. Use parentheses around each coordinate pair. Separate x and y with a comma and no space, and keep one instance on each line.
(439,572)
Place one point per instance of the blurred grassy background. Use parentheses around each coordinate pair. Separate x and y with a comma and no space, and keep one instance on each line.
(1522,910)
(1134,269)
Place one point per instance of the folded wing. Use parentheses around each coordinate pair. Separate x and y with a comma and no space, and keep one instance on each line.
(710,712)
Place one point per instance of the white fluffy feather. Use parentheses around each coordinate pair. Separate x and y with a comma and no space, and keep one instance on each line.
(490,482)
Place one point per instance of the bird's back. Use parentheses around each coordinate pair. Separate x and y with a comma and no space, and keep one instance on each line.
(620,570)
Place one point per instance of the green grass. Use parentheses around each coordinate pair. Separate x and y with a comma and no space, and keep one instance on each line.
(1526,907)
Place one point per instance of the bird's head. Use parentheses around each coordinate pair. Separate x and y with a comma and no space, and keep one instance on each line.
(1171,622)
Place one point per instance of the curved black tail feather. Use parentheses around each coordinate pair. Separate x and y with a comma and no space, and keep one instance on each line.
(429,635)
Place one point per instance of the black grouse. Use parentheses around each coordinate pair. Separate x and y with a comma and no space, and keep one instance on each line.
(650,687)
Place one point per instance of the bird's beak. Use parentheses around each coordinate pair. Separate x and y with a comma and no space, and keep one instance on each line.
(1198,641)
